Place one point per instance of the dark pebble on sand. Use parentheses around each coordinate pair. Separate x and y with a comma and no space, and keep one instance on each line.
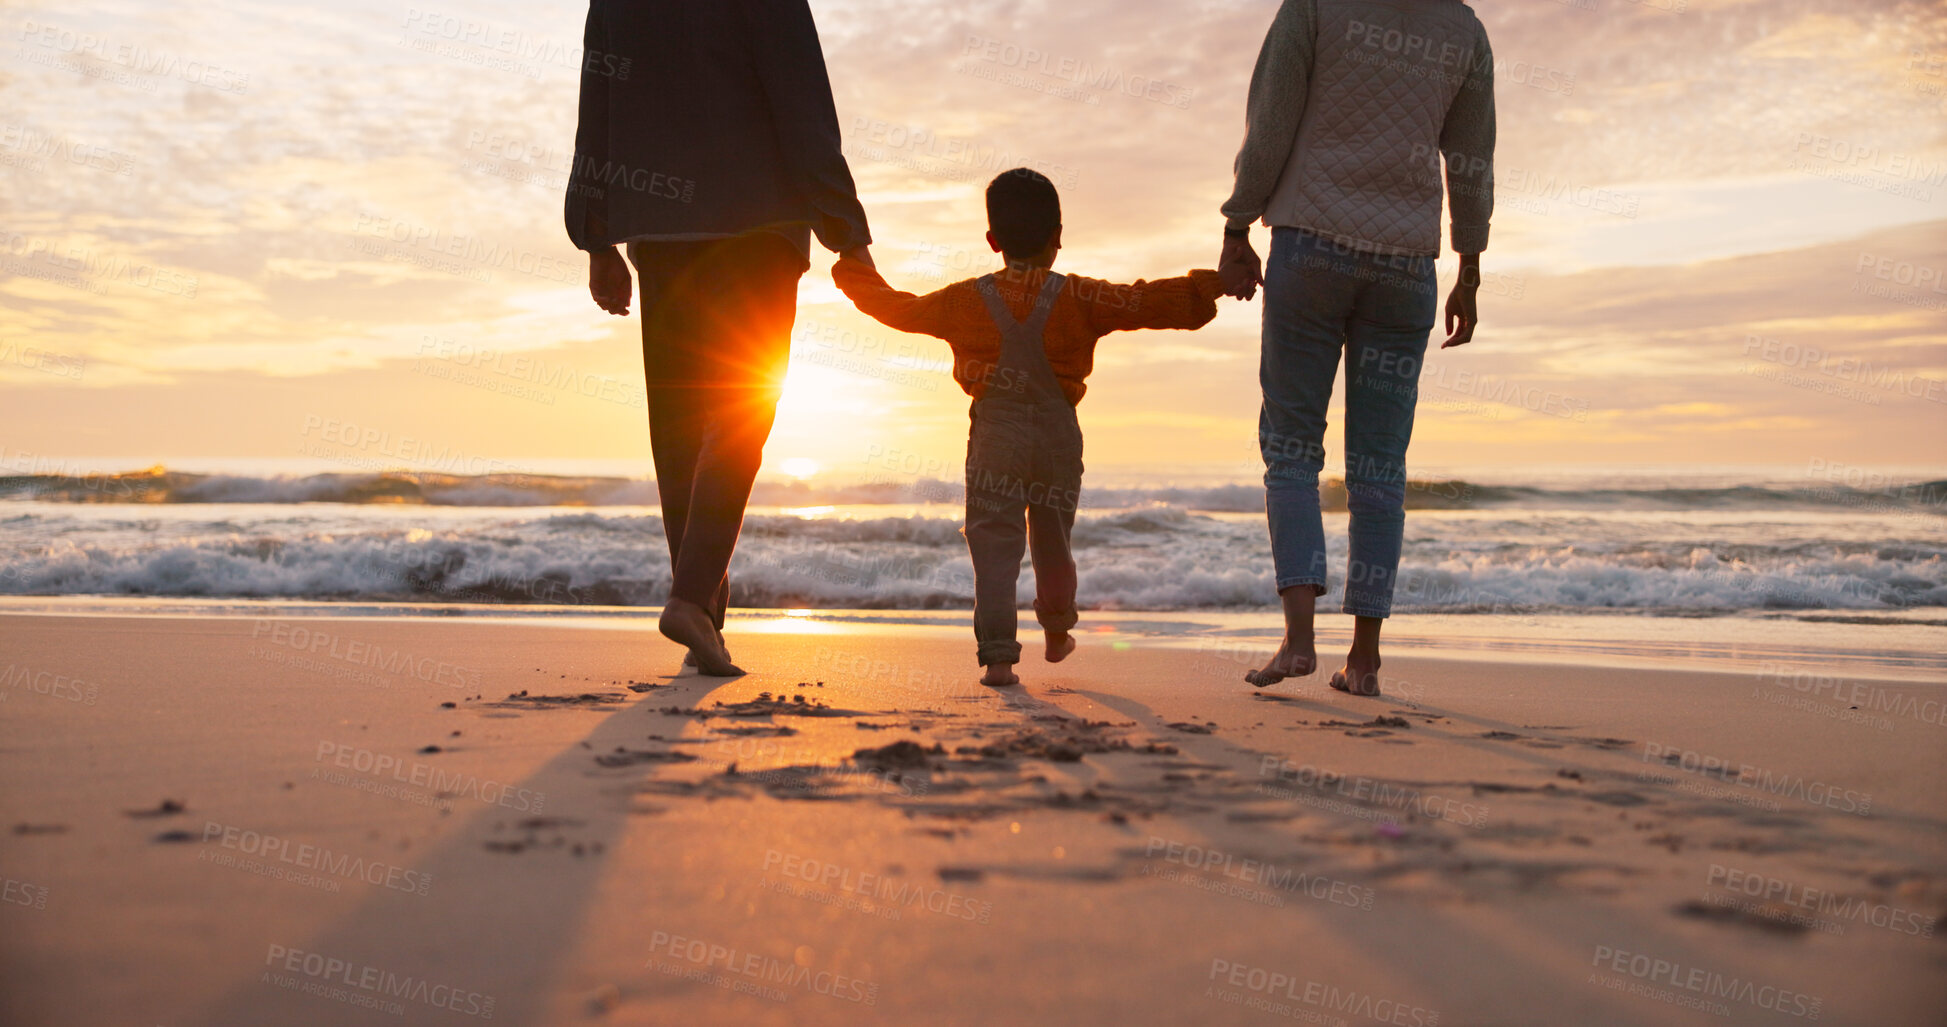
(167,808)
(429,750)
(40,828)
(171,837)
(449,706)
(961,874)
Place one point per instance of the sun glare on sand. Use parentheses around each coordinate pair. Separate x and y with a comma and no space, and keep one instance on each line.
(793,622)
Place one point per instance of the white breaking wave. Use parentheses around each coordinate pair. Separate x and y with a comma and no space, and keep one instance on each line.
(1153,558)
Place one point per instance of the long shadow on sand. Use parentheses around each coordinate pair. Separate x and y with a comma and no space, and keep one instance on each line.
(488,934)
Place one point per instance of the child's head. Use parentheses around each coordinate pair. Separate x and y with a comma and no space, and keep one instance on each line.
(1024,217)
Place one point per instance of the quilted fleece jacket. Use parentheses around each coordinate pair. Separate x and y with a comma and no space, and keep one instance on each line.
(1355,108)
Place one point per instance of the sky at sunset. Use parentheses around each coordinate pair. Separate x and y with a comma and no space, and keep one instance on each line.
(328,235)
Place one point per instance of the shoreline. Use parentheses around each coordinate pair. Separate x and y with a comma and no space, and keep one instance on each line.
(1907,649)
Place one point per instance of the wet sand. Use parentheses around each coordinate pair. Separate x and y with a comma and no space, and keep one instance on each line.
(210,820)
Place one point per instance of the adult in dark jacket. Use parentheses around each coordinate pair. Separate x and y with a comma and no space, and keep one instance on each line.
(709,147)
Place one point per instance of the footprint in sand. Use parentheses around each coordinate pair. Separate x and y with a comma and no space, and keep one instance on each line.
(630,757)
(165,808)
(523,700)
(1775,920)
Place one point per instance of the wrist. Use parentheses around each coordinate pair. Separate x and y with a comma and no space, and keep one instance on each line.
(1238,232)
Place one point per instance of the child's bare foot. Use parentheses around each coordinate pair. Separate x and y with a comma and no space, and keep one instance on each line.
(1290,661)
(1060,644)
(1360,675)
(686,623)
(999,675)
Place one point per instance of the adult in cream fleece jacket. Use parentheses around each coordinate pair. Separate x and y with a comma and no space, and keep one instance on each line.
(1356,107)
(1352,106)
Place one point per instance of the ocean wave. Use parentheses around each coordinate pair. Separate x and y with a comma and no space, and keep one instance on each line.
(159,485)
(1157,558)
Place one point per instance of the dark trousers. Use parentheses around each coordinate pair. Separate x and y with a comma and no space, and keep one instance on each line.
(716,340)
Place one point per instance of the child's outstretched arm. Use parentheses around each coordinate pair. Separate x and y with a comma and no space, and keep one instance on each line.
(1187,301)
(901,311)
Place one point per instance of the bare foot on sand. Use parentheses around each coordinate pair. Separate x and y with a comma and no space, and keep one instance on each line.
(689,658)
(1360,675)
(1060,644)
(999,675)
(685,623)
(1290,661)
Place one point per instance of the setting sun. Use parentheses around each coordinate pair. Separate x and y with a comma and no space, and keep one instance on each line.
(798,467)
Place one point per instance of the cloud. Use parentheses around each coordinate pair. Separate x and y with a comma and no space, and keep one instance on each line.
(202,199)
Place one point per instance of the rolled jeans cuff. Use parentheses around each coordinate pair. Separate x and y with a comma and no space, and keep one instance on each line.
(1000,652)
(1056,620)
(1317,584)
(1381,612)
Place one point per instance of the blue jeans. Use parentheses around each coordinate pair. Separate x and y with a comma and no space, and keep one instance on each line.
(1321,298)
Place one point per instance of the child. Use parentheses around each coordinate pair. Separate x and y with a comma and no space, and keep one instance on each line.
(1023,340)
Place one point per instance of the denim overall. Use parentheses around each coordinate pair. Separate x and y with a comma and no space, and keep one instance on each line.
(1024,456)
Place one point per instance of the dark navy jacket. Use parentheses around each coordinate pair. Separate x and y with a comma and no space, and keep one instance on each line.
(707,119)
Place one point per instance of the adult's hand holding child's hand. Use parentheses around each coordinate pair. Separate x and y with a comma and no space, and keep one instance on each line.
(1239,268)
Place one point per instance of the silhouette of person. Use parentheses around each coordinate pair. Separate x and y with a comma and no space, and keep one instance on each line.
(707,144)
(1354,107)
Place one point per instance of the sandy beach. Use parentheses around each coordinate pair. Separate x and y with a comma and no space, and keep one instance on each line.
(312,820)
(374,378)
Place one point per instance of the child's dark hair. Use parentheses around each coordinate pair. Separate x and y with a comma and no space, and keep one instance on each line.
(1023,212)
